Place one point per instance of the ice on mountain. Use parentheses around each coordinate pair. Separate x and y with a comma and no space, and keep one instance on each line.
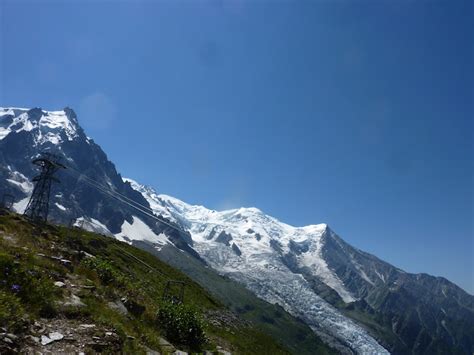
(91,225)
(139,230)
(20,206)
(152,198)
(24,185)
(61,207)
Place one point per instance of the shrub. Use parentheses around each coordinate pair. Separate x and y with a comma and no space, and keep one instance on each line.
(104,269)
(181,324)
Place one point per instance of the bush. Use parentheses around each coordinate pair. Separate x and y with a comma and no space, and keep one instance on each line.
(11,311)
(181,324)
(104,269)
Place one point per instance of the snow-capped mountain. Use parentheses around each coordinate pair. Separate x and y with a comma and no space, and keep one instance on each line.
(48,126)
(25,133)
(351,299)
(318,277)
(248,246)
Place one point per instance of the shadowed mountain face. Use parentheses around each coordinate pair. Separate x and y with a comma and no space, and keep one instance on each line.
(422,313)
(354,301)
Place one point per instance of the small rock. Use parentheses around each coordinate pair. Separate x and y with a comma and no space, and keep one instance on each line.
(12,336)
(74,301)
(166,346)
(8,340)
(179,352)
(37,328)
(32,338)
(119,307)
(54,336)
(87,326)
(87,255)
(164,342)
(59,284)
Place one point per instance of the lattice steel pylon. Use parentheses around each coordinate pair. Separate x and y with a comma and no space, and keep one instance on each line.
(38,206)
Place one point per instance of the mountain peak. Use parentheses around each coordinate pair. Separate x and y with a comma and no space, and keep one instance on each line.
(252,209)
(46,126)
(320,227)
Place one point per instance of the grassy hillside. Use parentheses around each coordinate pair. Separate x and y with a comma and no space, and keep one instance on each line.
(100,294)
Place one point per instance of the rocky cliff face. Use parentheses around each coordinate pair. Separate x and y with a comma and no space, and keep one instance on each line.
(355,301)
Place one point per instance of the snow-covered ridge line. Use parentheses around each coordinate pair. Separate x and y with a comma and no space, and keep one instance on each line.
(202,222)
(48,126)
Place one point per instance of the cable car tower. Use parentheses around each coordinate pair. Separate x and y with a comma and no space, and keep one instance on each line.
(38,206)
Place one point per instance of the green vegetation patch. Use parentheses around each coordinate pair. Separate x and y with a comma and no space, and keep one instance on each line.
(22,278)
(182,324)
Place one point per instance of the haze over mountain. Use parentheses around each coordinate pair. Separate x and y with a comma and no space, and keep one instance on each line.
(352,300)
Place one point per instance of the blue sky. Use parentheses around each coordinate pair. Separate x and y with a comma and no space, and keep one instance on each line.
(354,113)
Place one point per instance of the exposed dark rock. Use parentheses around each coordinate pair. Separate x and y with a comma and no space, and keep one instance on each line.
(276,245)
(224,238)
(299,248)
(236,249)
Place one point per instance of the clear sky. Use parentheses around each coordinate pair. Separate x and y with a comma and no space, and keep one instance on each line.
(354,113)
